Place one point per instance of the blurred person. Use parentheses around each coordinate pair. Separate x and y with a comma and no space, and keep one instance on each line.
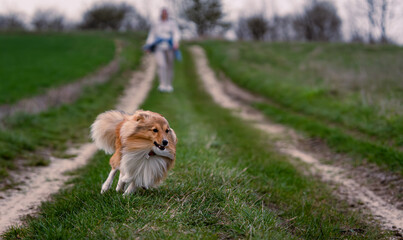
(163,41)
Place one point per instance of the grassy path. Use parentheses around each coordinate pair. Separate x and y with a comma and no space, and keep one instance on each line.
(344,180)
(228,183)
(321,90)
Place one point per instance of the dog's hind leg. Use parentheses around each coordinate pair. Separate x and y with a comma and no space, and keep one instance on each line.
(130,189)
(108,183)
(121,184)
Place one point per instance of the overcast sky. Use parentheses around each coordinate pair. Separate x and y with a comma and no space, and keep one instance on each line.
(73,10)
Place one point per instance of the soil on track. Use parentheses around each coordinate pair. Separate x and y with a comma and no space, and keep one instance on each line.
(358,192)
(40,183)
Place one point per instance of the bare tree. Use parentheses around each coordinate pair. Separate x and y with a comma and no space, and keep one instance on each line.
(281,28)
(356,37)
(48,20)
(371,19)
(242,29)
(355,19)
(319,22)
(11,22)
(133,21)
(384,13)
(379,12)
(205,14)
(258,26)
(106,16)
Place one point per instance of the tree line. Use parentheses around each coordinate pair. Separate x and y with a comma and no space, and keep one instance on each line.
(319,21)
(103,16)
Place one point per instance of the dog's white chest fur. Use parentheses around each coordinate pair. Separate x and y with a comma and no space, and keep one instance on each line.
(141,169)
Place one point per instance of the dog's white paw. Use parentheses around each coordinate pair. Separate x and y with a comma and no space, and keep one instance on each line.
(130,190)
(120,187)
(105,187)
(128,193)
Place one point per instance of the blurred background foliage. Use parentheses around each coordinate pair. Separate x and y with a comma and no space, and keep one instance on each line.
(317,21)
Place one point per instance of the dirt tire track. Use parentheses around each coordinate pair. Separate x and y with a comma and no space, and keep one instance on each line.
(66,93)
(390,217)
(44,181)
(388,185)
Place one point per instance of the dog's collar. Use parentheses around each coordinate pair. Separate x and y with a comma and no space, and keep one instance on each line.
(151,153)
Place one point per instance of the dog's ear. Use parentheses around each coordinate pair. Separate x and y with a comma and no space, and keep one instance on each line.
(174,136)
(139,117)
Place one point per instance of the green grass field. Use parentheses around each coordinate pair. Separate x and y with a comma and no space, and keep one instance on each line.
(24,136)
(349,95)
(31,63)
(228,183)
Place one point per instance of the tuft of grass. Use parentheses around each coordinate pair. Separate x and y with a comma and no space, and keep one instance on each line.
(23,135)
(32,63)
(288,75)
(37,161)
(228,183)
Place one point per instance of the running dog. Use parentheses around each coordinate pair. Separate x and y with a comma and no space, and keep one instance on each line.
(143,147)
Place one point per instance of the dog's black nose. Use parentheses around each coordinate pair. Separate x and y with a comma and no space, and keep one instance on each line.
(164,142)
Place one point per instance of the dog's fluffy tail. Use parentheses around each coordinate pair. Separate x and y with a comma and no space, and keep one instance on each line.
(103,130)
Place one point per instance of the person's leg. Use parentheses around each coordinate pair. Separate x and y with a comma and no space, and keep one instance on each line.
(170,69)
(162,65)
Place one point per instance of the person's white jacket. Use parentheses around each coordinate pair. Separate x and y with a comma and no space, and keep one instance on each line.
(164,29)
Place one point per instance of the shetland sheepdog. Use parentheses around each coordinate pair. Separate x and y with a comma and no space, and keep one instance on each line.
(143,147)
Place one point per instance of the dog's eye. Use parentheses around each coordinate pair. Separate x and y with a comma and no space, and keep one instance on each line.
(167,131)
(155,130)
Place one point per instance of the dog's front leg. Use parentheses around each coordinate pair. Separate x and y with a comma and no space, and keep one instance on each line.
(121,184)
(108,183)
(130,189)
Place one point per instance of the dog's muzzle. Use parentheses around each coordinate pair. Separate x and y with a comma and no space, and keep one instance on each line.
(159,146)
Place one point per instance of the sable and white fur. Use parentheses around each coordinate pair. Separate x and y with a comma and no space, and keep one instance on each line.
(143,147)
